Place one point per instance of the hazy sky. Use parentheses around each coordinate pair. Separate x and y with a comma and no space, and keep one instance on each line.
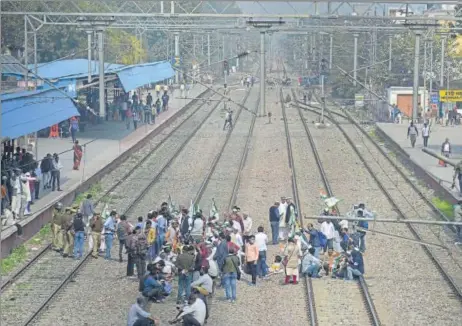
(308,8)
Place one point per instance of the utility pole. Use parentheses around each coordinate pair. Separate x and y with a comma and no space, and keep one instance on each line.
(262,74)
(306,55)
(331,49)
(415,96)
(425,73)
(89,34)
(355,58)
(208,49)
(390,51)
(177,56)
(443,49)
(102,99)
(26,53)
(431,67)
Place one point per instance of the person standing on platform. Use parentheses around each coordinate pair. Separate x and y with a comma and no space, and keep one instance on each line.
(73,128)
(56,173)
(158,106)
(46,166)
(446,149)
(425,134)
(78,153)
(412,133)
(149,100)
(165,99)
(158,91)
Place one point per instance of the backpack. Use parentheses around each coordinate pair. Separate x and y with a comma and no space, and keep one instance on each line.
(141,245)
(363,224)
(322,239)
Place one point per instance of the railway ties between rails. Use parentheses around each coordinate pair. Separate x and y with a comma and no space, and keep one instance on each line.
(329,301)
(48,274)
(406,199)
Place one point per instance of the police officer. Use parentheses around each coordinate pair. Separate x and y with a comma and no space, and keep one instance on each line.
(66,231)
(56,227)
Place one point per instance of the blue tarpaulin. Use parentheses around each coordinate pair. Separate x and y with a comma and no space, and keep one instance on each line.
(133,77)
(28,114)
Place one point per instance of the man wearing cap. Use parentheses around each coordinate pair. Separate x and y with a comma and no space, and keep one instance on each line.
(66,231)
(56,227)
(96,225)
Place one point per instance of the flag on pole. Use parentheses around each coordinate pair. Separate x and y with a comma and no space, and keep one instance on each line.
(191,209)
(214,210)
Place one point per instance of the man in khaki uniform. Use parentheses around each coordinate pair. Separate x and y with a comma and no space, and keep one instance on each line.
(66,231)
(96,225)
(56,227)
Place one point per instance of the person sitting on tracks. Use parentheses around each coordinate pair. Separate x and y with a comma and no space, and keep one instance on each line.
(329,260)
(138,316)
(355,264)
(310,264)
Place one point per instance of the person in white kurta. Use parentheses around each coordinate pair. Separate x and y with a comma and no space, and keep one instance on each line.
(282,221)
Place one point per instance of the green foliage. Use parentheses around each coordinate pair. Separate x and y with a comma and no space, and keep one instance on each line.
(9,263)
(444,206)
(94,190)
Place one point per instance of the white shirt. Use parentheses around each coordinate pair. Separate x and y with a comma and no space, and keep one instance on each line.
(328,230)
(198,226)
(261,240)
(282,208)
(204,281)
(426,131)
(247,225)
(197,310)
(446,147)
(135,313)
(237,225)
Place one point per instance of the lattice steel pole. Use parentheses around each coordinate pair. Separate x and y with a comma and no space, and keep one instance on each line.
(177,55)
(355,58)
(89,40)
(102,100)
(415,97)
(262,74)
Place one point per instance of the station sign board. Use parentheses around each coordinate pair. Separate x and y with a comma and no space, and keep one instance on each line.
(452,95)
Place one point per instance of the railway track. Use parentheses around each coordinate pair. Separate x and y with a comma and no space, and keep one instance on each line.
(407,200)
(332,294)
(46,275)
(94,268)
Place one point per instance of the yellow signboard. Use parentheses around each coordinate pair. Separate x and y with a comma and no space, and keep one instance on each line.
(452,95)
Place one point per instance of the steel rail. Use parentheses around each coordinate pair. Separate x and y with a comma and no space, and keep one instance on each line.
(36,257)
(216,159)
(10,280)
(128,209)
(369,304)
(452,284)
(312,316)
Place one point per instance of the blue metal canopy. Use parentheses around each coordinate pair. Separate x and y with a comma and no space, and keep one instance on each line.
(33,111)
(135,76)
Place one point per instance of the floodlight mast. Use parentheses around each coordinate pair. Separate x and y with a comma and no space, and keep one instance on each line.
(264,26)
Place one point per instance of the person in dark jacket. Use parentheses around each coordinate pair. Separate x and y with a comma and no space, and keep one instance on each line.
(79,236)
(314,240)
(222,251)
(46,166)
(289,206)
(356,264)
(185,265)
(274,221)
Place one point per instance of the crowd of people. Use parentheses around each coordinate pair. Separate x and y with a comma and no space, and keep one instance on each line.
(136,110)
(202,253)
(22,179)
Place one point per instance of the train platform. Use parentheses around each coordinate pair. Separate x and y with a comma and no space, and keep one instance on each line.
(103,143)
(397,133)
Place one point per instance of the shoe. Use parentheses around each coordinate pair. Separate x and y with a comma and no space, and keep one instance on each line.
(233,301)
(120,260)
(96,257)
(230,301)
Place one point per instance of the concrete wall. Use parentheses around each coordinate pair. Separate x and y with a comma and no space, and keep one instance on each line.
(393,92)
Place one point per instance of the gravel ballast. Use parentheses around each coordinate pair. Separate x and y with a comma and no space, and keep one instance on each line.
(109,291)
(337,302)
(394,268)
